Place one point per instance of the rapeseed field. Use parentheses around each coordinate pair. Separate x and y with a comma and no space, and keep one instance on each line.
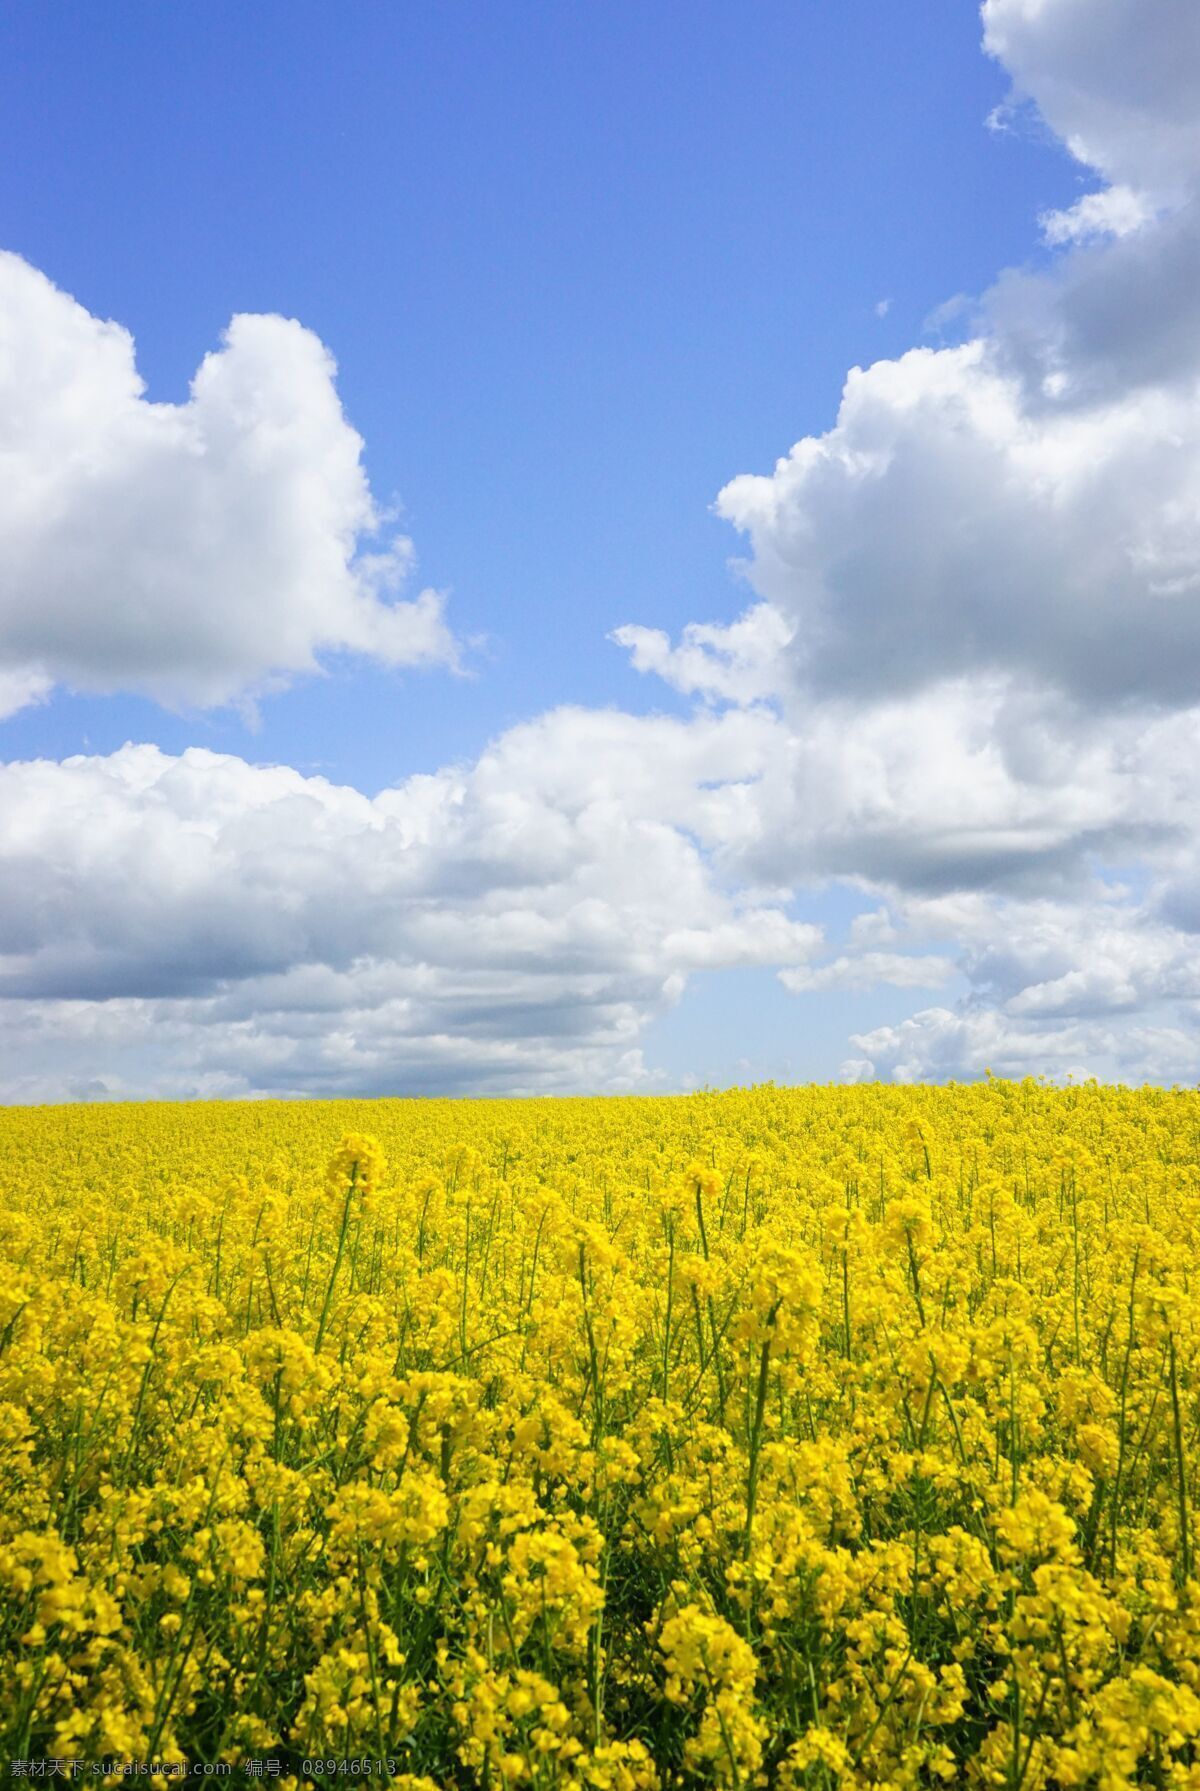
(817,1437)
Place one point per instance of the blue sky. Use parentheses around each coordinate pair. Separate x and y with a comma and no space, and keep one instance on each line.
(580,267)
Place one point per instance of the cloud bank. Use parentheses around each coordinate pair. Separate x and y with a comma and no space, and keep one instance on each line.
(197,924)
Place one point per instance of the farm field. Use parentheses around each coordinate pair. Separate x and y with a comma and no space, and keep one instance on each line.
(815,1437)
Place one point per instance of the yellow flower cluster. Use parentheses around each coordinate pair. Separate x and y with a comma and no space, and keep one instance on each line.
(818,1437)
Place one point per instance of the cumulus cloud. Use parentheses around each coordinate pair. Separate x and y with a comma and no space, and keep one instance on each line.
(1115,211)
(1026,502)
(1103,983)
(199,924)
(1117,83)
(198,553)
(21,689)
(947,526)
(868,970)
(969,784)
(738,662)
(939,1045)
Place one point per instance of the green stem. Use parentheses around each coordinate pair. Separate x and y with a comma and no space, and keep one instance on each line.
(1185,1552)
(337,1261)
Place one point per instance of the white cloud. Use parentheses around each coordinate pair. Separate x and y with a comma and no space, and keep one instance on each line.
(1116,211)
(21,689)
(755,938)
(199,552)
(197,923)
(739,662)
(969,784)
(869,970)
(938,1045)
(1116,82)
(1100,983)
(951,524)
(874,928)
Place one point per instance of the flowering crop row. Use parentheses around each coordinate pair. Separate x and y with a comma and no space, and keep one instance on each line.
(817,1437)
